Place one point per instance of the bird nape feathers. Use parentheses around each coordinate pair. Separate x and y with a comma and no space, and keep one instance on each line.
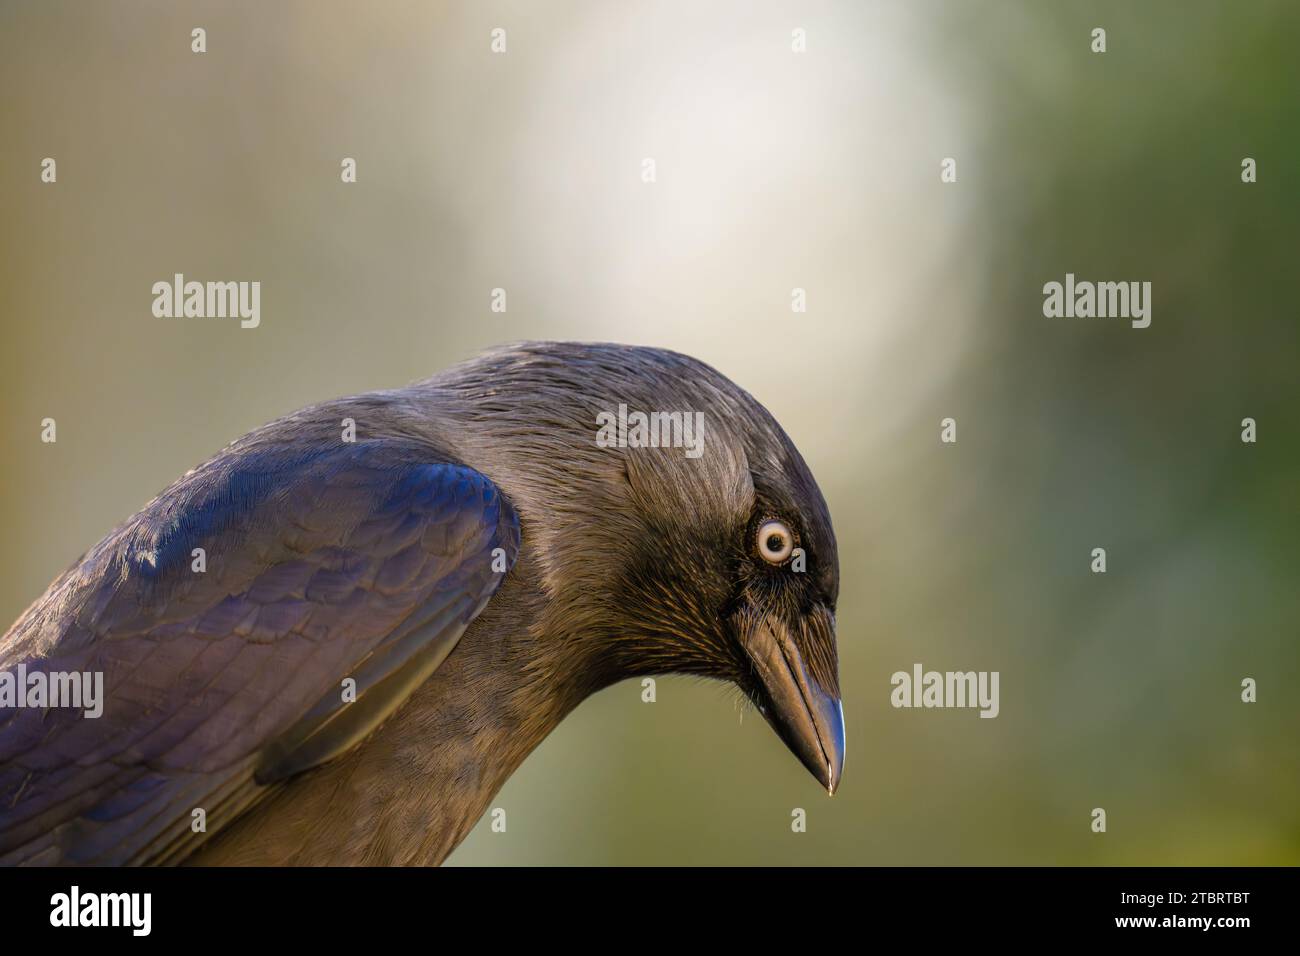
(333,642)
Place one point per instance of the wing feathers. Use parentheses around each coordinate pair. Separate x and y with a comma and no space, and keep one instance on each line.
(365,560)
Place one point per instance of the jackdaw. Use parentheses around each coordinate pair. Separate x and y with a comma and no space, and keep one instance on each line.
(333,642)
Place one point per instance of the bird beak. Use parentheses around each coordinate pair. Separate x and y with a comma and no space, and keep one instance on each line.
(804,714)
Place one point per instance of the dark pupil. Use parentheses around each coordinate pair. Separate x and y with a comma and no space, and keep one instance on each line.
(775,542)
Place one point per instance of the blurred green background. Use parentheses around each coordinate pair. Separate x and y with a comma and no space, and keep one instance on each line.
(775,170)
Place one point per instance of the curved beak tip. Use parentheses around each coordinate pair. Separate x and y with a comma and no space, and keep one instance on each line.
(806,716)
(816,735)
(832,740)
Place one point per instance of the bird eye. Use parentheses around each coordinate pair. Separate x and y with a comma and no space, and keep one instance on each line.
(775,540)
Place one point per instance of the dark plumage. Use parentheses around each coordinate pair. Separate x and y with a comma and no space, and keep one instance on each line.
(374,560)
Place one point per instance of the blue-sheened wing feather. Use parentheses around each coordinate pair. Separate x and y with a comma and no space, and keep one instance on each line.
(363,561)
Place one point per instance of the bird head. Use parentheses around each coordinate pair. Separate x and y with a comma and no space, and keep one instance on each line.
(712,556)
